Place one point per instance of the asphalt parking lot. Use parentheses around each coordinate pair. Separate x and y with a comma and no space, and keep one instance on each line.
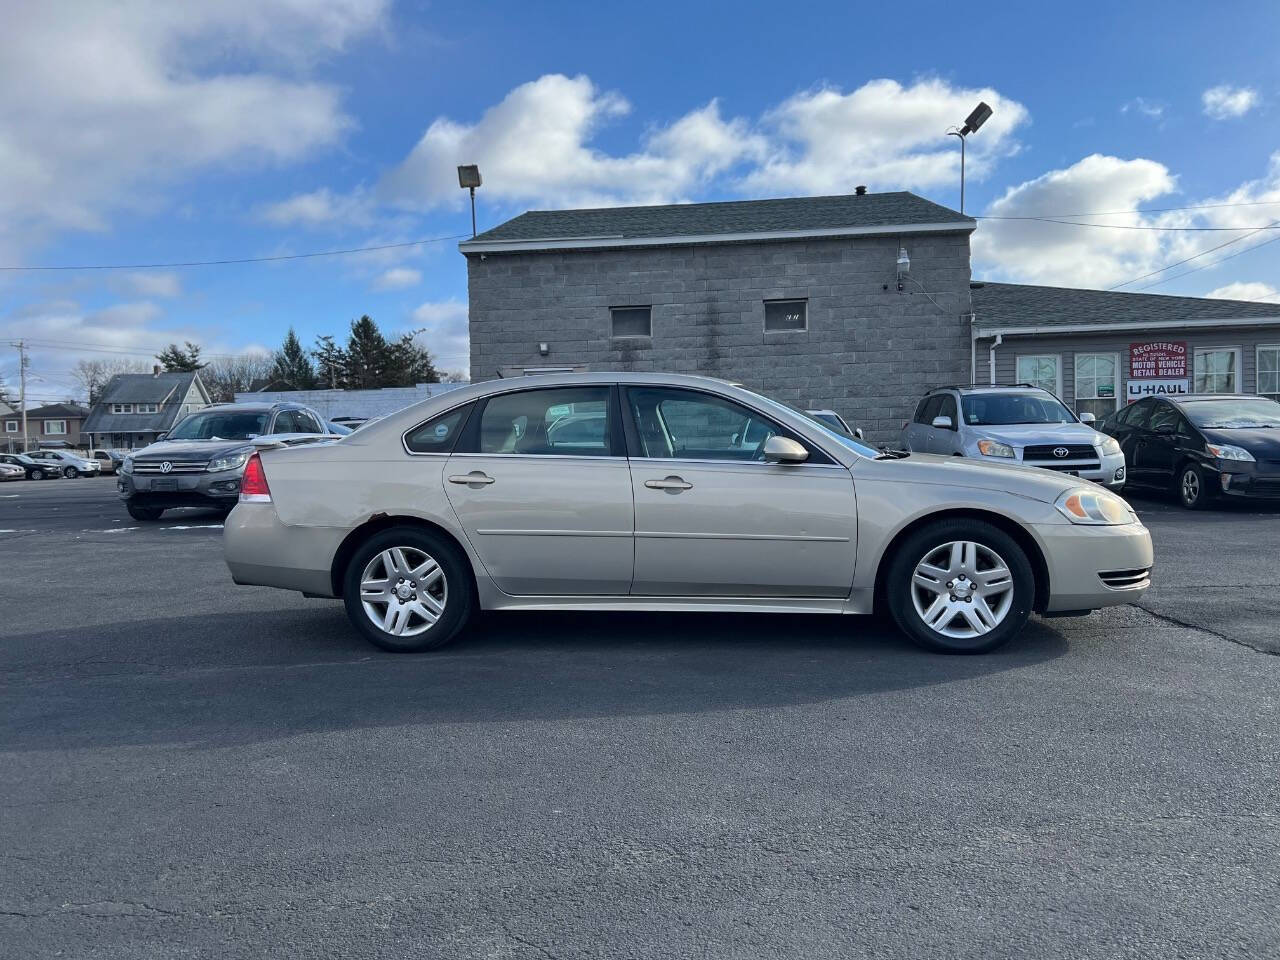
(197,769)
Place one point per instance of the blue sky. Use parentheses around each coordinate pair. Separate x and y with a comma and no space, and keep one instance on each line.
(154,132)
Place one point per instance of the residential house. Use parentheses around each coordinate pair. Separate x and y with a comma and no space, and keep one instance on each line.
(53,425)
(135,408)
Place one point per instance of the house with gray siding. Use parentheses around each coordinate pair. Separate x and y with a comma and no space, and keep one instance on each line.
(799,298)
(52,425)
(135,408)
(804,299)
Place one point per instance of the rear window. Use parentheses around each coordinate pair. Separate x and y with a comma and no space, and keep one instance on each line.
(439,434)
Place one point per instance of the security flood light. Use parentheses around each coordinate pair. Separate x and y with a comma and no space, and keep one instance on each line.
(469,179)
(904,266)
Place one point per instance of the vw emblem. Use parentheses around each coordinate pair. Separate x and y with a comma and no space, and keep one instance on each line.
(1058,452)
(167,466)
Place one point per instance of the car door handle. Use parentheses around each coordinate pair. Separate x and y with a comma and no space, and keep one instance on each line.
(669,483)
(475,476)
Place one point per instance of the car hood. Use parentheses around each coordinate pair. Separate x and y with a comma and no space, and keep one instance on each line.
(1263,444)
(192,449)
(1025,434)
(1012,478)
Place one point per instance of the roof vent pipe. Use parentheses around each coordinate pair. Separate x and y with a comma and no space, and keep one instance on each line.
(860,190)
(155,369)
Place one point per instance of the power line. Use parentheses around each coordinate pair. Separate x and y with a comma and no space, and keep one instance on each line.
(1136,226)
(1205,266)
(1197,256)
(1112,213)
(237,260)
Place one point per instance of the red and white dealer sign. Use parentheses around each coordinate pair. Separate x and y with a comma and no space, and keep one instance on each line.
(1157,368)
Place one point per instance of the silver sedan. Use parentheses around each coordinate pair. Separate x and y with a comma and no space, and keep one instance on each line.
(621,491)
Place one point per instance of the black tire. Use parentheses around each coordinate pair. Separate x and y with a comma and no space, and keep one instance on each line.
(143,513)
(459,601)
(37,474)
(1190,487)
(70,473)
(916,548)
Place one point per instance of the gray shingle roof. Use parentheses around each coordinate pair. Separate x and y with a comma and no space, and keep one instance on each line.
(168,389)
(997,305)
(796,214)
(57,411)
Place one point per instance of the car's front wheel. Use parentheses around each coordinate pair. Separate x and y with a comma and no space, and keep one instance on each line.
(70,473)
(408,589)
(37,474)
(143,513)
(1192,491)
(960,586)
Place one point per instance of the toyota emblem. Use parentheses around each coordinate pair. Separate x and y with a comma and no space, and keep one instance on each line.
(167,466)
(1058,452)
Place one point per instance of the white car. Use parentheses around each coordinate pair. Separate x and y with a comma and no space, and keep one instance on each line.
(66,462)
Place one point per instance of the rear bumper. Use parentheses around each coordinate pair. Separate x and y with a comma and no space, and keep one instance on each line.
(1079,556)
(263,552)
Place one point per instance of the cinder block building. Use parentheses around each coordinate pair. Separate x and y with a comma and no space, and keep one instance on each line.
(854,303)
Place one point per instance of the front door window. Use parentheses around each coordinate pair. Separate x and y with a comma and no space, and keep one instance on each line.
(1217,370)
(1097,384)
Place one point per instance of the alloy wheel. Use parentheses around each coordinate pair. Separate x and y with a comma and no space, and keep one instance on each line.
(962,589)
(1190,486)
(403,591)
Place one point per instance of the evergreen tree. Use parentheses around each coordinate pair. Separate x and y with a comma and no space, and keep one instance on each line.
(178,360)
(331,363)
(369,356)
(410,364)
(293,365)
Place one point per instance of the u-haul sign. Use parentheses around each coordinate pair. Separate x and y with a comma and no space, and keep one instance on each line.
(1137,389)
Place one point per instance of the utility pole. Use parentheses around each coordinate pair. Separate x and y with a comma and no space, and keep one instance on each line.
(22,391)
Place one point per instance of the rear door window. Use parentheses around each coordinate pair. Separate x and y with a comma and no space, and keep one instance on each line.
(556,421)
(440,433)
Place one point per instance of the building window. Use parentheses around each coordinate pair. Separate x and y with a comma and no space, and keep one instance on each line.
(786,315)
(148,408)
(1097,383)
(122,408)
(1217,370)
(631,321)
(1269,371)
(55,428)
(11,426)
(1043,371)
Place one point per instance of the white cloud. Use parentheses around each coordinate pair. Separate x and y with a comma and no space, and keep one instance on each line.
(1033,251)
(321,207)
(154,284)
(882,134)
(535,147)
(1246,290)
(397,278)
(1114,190)
(445,333)
(1224,101)
(1148,108)
(103,105)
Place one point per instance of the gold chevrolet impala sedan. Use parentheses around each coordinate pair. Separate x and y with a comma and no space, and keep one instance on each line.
(629,491)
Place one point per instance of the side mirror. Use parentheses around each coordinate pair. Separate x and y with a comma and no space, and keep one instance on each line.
(942,422)
(160,436)
(857,432)
(1087,418)
(784,450)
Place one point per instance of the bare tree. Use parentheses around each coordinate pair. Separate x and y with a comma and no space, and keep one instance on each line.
(227,376)
(92,375)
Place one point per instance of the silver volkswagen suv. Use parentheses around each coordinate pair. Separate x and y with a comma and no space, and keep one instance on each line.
(1013,424)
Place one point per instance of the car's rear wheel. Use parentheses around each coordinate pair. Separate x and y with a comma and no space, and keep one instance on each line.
(143,513)
(408,589)
(1192,491)
(960,586)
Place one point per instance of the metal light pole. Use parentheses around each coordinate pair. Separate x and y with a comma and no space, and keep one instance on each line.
(971,124)
(469,179)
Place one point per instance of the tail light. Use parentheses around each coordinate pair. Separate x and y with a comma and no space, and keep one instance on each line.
(253,485)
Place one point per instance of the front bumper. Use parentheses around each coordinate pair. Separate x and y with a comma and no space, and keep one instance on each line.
(1110,471)
(1093,567)
(1245,481)
(219,490)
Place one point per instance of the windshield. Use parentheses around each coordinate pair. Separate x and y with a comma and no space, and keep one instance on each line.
(857,446)
(990,409)
(1244,414)
(220,425)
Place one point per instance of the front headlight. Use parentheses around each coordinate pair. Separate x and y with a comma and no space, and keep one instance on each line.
(1227,451)
(234,462)
(994,448)
(1096,507)
(127,466)
(1110,446)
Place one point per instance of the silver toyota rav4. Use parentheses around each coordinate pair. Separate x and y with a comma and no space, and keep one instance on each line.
(1014,424)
